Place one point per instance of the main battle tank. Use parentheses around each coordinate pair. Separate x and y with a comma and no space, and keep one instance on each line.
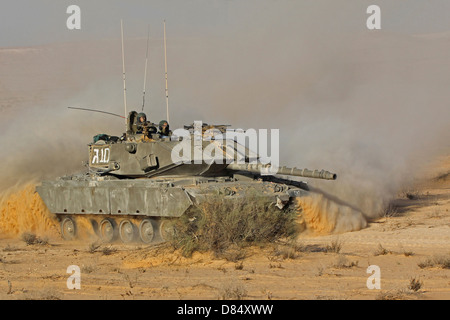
(138,182)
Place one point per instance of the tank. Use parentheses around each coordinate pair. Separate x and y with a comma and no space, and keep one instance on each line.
(134,185)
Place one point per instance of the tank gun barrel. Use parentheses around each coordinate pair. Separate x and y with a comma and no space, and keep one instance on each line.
(259,168)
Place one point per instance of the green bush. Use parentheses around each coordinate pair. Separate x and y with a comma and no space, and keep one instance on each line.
(219,223)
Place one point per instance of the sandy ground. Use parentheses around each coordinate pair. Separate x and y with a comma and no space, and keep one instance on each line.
(410,244)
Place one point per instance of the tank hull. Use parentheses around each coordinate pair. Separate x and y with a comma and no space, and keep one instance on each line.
(151,198)
(122,197)
(113,202)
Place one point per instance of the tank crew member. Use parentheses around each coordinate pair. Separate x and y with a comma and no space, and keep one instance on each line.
(141,118)
(164,130)
(144,126)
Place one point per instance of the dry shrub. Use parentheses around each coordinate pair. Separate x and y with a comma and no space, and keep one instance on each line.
(219,223)
(108,250)
(30,238)
(233,292)
(343,263)
(335,246)
(415,284)
(381,251)
(440,261)
(411,292)
(93,246)
(401,294)
(285,252)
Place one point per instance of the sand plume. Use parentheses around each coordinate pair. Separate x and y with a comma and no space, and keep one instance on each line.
(22,210)
(321,215)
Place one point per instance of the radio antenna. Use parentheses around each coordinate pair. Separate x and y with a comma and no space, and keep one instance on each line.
(123,69)
(165,65)
(145,72)
(93,110)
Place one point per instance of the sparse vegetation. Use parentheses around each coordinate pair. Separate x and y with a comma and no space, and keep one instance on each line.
(10,248)
(408,253)
(131,282)
(412,194)
(428,263)
(30,239)
(436,261)
(415,284)
(233,292)
(320,270)
(275,266)
(239,266)
(381,251)
(219,224)
(93,247)
(285,252)
(390,211)
(392,295)
(10,291)
(88,269)
(44,294)
(411,290)
(234,254)
(343,263)
(334,247)
(108,250)
(267,293)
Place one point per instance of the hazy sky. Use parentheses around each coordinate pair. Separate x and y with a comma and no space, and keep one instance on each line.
(36,22)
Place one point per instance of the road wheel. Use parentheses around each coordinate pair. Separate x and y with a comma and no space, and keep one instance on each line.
(146,231)
(166,230)
(127,231)
(107,230)
(68,229)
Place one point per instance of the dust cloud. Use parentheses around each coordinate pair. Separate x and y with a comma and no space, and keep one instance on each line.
(320,215)
(369,106)
(381,118)
(22,210)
